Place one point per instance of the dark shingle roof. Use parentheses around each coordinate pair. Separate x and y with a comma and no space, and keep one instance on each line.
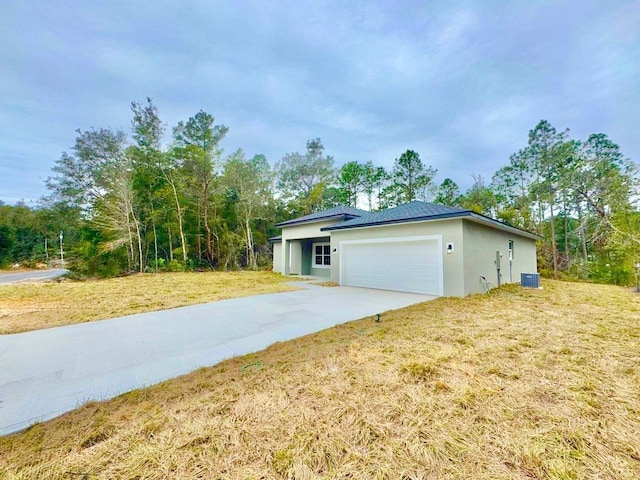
(346,212)
(276,239)
(416,211)
(411,211)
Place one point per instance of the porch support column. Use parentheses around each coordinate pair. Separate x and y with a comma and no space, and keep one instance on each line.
(286,256)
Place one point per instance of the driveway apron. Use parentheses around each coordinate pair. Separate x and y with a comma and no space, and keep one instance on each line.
(48,372)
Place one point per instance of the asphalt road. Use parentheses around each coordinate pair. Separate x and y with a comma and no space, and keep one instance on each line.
(48,372)
(31,275)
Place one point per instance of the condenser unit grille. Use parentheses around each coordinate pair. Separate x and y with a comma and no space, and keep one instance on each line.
(530,280)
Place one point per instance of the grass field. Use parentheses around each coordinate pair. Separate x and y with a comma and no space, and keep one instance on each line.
(36,305)
(516,384)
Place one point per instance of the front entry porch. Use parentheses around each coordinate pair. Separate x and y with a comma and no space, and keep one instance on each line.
(308,256)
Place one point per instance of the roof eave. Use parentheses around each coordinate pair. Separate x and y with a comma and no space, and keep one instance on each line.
(503,226)
(445,216)
(423,218)
(290,223)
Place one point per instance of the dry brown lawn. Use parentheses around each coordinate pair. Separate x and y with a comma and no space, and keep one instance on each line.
(36,305)
(327,284)
(516,384)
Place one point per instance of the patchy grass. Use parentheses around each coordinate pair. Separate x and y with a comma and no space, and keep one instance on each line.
(326,284)
(516,384)
(36,305)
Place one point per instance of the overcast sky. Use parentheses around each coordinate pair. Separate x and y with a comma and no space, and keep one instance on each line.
(461,83)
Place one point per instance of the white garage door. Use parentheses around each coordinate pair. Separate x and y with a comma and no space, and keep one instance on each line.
(412,264)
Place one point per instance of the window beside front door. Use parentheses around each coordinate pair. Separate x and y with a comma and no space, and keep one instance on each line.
(321,255)
(510,249)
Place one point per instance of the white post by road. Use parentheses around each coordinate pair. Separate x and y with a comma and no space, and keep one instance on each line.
(61,249)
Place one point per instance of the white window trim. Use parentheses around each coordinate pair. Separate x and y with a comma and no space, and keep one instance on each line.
(313,254)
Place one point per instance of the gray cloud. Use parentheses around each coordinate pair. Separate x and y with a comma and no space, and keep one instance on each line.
(460,83)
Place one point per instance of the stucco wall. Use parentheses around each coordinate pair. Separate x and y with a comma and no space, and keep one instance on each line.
(450,230)
(291,237)
(321,272)
(480,246)
(316,272)
(305,269)
(277,256)
(307,230)
(295,264)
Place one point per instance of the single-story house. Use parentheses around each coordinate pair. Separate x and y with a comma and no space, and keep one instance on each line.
(417,247)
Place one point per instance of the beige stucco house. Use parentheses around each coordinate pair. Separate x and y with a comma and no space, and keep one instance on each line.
(417,247)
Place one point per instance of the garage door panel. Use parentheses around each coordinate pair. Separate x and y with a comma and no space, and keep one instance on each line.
(410,266)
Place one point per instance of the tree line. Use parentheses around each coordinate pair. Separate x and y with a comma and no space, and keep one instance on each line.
(127,204)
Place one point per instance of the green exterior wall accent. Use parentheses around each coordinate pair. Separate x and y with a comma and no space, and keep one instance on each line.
(321,272)
(306,257)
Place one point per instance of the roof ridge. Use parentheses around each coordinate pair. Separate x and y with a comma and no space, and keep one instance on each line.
(418,211)
(405,212)
(339,210)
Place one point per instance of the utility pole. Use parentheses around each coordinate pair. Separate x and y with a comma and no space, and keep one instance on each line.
(61,248)
(46,252)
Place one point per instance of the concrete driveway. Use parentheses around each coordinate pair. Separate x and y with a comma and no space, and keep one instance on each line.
(31,275)
(48,372)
